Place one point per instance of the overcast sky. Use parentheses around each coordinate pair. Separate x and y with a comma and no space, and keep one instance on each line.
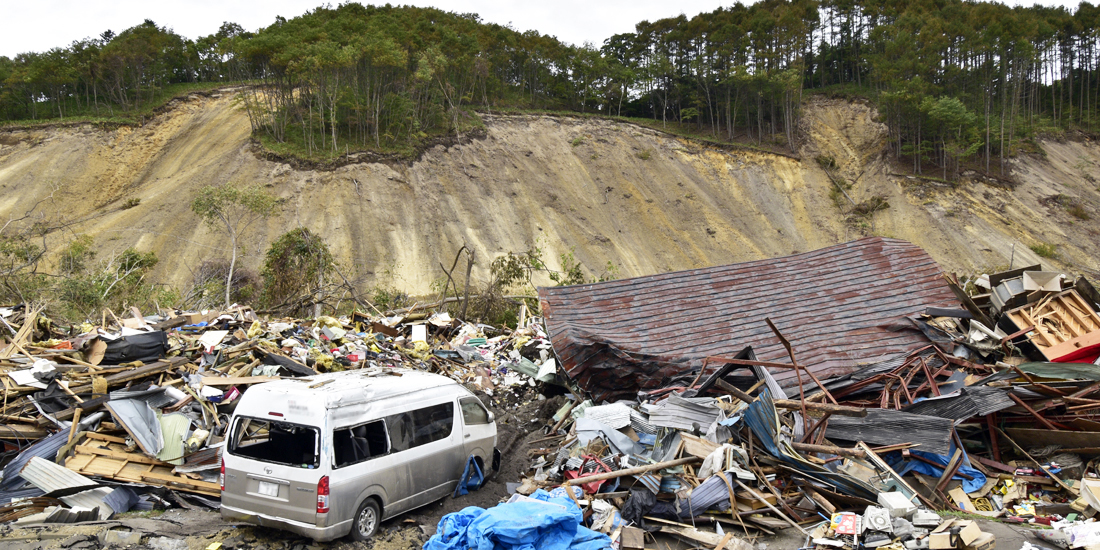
(38,25)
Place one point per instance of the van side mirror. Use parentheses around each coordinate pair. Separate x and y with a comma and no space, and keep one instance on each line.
(492,417)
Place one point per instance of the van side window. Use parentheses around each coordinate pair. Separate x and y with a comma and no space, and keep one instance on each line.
(278,442)
(473,412)
(355,444)
(421,426)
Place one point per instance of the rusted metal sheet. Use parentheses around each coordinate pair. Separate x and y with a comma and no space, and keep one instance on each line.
(841,307)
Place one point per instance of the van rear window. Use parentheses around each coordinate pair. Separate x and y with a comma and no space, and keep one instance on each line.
(277,442)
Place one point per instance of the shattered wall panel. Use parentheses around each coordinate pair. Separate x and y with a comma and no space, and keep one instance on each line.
(841,307)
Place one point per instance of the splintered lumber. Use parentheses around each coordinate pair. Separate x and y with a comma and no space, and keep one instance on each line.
(633,471)
(819,500)
(774,510)
(1065,326)
(21,432)
(827,449)
(707,538)
(697,446)
(236,380)
(138,373)
(24,331)
(108,459)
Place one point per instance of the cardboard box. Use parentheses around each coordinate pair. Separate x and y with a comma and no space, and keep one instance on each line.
(196,317)
(986,541)
(942,539)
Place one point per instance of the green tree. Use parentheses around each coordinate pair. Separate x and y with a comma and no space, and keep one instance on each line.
(296,264)
(232,209)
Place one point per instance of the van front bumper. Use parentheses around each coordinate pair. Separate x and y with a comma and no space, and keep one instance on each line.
(320,534)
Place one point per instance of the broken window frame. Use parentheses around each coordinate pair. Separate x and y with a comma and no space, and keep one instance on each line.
(241,427)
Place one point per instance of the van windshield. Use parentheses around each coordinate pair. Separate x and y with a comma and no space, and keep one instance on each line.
(277,442)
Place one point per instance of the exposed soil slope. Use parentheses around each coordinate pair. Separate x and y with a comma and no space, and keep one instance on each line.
(615,192)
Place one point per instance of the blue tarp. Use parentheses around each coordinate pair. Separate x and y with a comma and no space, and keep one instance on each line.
(471,478)
(902,467)
(550,525)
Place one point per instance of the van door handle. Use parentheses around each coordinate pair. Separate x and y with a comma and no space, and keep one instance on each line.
(468,436)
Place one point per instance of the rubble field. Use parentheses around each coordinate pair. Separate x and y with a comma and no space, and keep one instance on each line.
(850,397)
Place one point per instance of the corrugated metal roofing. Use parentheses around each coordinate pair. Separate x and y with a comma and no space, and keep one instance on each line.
(46,448)
(841,307)
(93,499)
(890,427)
(966,403)
(51,477)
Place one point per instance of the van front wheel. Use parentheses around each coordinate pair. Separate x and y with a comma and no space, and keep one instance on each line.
(366,520)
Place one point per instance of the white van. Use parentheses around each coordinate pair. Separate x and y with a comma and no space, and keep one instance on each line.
(335,454)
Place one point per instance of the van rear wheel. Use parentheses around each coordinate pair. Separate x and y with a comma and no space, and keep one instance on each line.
(366,521)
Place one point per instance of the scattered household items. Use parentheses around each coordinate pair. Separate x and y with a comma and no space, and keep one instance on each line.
(139,410)
(853,394)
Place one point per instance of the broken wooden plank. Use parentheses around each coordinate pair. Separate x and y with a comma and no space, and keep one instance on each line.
(697,446)
(236,380)
(138,373)
(119,465)
(21,432)
(1040,438)
(633,471)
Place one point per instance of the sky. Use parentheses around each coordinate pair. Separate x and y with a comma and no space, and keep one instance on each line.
(38,25)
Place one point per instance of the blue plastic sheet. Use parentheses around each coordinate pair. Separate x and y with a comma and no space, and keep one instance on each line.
(550,525)
(903,467)
(471,478)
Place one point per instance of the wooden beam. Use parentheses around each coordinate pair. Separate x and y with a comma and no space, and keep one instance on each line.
(633,471)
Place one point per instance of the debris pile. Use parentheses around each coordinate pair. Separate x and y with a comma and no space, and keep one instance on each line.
(98,420)
(852,394)
(983,405)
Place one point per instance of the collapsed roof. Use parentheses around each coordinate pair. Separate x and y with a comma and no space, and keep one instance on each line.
(840,307)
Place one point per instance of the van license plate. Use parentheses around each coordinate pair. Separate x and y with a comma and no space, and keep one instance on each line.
(269,489)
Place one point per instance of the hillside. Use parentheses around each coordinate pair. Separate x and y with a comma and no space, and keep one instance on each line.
(644,201)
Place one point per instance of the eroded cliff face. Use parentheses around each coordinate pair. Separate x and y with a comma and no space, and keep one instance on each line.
(644,201)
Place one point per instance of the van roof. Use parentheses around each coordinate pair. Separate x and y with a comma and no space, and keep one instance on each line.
(349,387)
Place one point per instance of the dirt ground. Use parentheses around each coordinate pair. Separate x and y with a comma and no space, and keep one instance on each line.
(197,530)
(613,192)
